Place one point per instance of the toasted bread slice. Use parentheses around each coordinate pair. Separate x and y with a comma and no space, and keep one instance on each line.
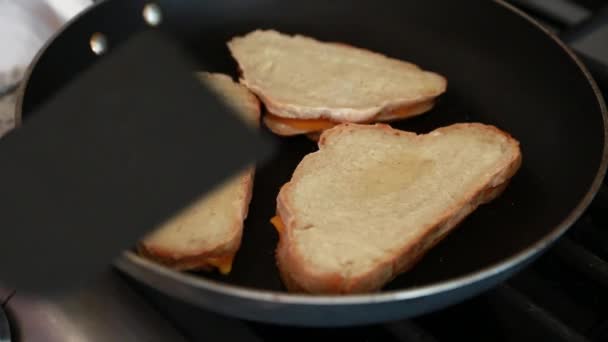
(207,235)
(298,77)
(373,200)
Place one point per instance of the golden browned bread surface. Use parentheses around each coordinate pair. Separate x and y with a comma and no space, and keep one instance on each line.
(299,77)
(373,200)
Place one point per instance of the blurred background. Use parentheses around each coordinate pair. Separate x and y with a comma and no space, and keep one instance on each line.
(25,25)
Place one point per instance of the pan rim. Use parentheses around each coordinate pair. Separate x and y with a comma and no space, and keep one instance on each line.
(128,260)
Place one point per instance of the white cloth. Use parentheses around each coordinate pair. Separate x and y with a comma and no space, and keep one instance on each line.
(24,27)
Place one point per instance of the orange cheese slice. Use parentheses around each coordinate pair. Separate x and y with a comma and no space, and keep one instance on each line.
(308,125)
(223,264)
(278,224)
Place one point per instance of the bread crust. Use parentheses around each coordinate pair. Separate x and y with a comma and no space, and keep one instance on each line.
(204,258)
(300,277)
(288,110)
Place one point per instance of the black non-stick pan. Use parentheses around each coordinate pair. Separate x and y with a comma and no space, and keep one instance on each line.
(502,69)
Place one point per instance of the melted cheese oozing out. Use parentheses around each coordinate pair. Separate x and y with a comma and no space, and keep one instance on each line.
(278,224)
(315,125)
(223,264)
(310,125)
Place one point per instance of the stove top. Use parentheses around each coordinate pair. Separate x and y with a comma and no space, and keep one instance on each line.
(5,333)
(563,296)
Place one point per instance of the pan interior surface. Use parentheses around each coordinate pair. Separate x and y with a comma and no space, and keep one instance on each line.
(501,70)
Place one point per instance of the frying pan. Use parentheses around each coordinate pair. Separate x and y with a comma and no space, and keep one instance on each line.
(502,69)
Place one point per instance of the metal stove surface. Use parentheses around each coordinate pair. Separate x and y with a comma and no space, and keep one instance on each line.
(107,311)
(5,332)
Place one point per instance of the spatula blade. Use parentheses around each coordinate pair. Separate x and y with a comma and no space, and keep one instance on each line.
(130,142)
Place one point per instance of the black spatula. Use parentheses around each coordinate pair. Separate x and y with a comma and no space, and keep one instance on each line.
(126,145)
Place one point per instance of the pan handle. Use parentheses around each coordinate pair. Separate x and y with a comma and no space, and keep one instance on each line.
(589,39)
(564,12)
(584,31)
